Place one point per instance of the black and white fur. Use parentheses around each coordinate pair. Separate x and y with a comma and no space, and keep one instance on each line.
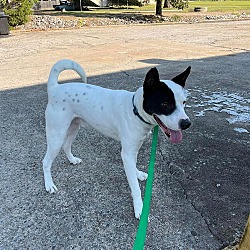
(111,112)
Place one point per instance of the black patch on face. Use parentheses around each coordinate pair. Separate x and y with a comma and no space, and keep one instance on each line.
(158,98)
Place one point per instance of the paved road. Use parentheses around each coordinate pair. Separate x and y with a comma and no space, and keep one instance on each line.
(201,186)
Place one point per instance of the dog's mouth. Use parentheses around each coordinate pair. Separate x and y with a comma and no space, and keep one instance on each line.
(174,136)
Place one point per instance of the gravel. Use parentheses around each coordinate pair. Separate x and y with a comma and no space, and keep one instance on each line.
(46,22)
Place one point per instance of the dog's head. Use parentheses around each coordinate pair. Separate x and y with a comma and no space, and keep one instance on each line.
(165,102)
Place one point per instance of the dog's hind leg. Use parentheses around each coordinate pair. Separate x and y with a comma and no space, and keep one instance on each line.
(47,163)
(56,130)
(71,135)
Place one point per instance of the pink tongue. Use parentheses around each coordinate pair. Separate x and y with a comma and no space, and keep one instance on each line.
(175,136)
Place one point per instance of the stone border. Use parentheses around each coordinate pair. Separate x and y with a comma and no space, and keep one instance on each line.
(47,22)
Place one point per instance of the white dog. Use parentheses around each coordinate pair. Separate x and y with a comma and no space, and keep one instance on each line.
(120,114)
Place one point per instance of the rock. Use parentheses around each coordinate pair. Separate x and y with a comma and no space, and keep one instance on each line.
(45,22)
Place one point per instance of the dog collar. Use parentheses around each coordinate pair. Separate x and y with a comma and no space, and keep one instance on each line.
(135,110)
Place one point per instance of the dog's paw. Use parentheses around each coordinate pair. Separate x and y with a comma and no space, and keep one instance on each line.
(75,160)
(138,208)
(141,175)
(50,187)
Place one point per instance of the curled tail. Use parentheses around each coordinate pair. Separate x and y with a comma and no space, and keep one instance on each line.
(61,66)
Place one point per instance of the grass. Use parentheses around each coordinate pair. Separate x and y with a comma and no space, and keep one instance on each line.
(213,6)
(222,6)
(229,6)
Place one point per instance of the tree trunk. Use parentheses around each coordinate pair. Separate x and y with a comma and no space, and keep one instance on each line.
(80,5)
(167,4)
(158,7)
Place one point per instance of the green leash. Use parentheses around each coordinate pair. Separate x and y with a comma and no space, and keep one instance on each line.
(142,228)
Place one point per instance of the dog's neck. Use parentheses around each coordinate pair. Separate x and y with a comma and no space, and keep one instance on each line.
(135,110)
(138,110)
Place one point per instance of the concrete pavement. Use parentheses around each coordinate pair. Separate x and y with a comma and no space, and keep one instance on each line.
(201,187)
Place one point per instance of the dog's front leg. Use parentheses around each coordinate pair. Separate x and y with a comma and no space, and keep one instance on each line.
(129,158)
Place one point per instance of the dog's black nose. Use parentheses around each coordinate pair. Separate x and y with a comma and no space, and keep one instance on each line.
(184,124)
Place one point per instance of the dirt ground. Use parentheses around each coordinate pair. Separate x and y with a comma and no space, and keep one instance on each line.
(201,187)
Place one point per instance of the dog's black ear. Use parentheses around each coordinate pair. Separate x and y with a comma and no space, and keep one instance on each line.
(181,78)
(151,79)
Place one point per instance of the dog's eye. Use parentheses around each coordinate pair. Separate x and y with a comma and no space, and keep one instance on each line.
(164,105)
(184,102)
